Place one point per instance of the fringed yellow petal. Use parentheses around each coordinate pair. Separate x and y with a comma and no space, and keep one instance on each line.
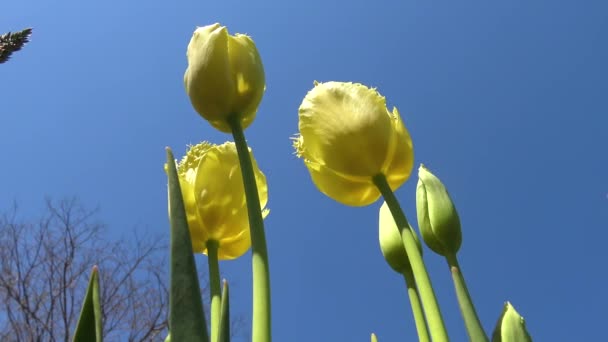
(347,136)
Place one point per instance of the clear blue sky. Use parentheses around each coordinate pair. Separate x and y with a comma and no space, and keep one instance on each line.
(505,101)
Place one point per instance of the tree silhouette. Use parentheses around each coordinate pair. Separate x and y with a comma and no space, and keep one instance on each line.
(44,269)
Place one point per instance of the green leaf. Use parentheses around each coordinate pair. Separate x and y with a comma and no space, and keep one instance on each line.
(186,316)
(224,335)
(89,325)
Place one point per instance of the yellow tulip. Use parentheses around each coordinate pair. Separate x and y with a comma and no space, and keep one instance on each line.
(347,136)
(225,76)
(214,198)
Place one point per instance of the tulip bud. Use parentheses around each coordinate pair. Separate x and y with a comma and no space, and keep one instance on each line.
(437,217)
(348,136)
(225,76)
(510,327)
(391,243)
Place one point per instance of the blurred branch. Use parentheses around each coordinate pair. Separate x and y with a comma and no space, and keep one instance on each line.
(13,42)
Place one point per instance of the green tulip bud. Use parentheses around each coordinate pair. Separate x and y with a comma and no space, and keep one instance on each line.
(510,327)
(391,243)
(437,217)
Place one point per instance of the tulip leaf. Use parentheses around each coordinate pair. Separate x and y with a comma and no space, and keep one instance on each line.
(89,323)
(224,335)
(186,316)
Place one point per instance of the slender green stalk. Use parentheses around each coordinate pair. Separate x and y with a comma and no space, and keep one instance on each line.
(412,292)
(186,316)
(261,276)
(423,282)
(214,282)
(224,335)
(469,314)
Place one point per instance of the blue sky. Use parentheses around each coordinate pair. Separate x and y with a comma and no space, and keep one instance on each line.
(505,102)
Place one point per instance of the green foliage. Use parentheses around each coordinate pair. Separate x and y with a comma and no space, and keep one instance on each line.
(224,335)
(89,325)
(186,316)
(13,42)
(511,327)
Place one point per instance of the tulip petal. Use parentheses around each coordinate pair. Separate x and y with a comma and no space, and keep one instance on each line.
(234,246)
(208,60)
(249,78)
(400,159)
(346,190)
(198,232)
(345,126)
(219,192)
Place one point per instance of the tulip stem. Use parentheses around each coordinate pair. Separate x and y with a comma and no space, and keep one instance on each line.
(214,282)
(423,281)
(469,314)
(412,292)
(259,260)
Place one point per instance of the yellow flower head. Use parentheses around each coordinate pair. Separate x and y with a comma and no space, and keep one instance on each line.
(225,76)
(347,136)
(214,198)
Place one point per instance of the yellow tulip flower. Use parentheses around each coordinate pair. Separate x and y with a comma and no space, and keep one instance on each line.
(214,198)
(347,136)
(225,76)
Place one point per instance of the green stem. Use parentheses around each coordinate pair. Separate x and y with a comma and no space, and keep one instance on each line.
(423,282)
(469,314)
(412,292)
(261,275)
(214,280)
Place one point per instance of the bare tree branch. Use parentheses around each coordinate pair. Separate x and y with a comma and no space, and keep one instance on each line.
(44,268)
(44,271)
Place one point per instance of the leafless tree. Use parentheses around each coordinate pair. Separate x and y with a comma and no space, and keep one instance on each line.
(44,270)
